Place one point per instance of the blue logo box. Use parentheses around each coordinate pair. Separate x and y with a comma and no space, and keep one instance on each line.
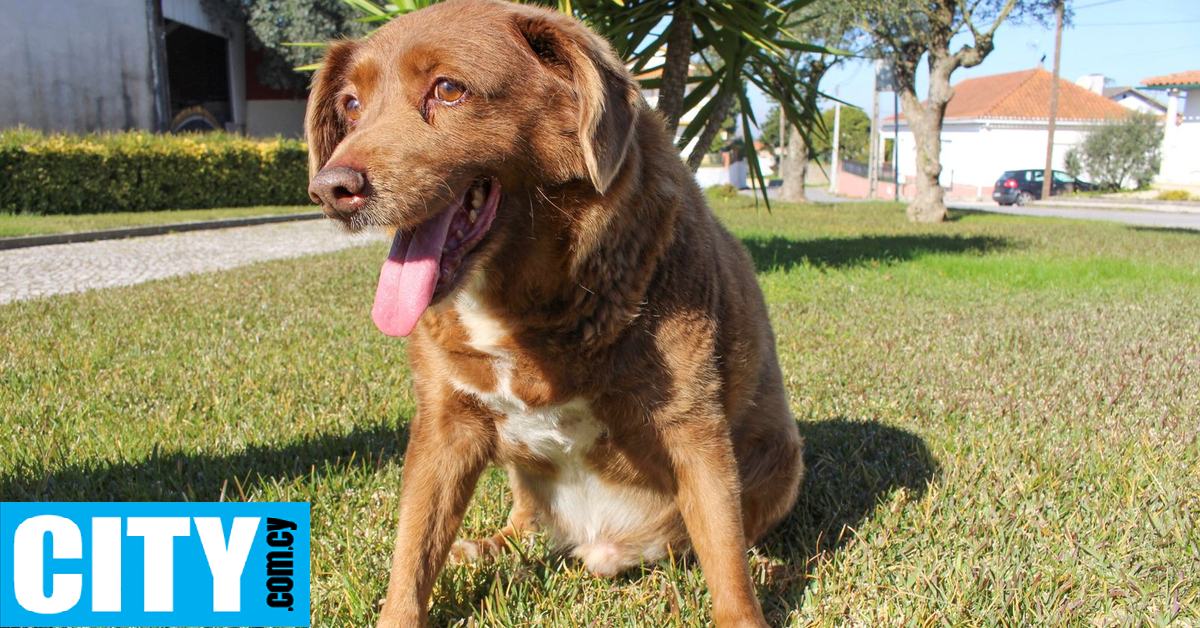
(154,564)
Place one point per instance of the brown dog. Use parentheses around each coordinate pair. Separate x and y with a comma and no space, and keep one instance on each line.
(585,321)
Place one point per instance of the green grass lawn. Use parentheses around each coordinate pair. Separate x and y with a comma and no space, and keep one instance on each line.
(1002,417)
(12,225)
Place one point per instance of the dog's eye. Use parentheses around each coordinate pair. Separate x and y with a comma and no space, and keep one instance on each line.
(448,91)
(353,108)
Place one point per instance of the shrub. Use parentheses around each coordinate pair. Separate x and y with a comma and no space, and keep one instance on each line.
(1119,152)
(722,192)
(138,171)
(1174,195)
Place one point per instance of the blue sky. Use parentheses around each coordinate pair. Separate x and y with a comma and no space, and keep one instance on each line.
(1126,40)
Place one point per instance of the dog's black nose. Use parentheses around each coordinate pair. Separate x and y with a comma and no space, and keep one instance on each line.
(340,190)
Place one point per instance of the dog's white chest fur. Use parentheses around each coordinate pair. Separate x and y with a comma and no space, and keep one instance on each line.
(580,507)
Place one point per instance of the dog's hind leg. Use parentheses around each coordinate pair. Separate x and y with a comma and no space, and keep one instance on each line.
(771,478)
(522,521)
(770,461)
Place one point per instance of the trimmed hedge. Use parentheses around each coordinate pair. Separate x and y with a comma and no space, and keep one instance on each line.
(1174,195)
(139,171)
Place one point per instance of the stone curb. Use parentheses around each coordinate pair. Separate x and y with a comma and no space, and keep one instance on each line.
(1167,207)
(150,230)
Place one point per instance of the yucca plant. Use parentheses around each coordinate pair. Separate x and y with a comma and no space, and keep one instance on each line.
(718,48)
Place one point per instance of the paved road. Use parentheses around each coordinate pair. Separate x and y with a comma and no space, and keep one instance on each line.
(57,269)
(1162,220)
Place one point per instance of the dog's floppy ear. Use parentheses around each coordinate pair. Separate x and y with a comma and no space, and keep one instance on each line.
(608,98)
(323,124)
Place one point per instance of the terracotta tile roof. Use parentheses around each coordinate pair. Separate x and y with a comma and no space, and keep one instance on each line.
(1025,95)
(1191,77)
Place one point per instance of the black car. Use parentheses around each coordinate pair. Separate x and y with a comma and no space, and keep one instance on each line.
(1024,186)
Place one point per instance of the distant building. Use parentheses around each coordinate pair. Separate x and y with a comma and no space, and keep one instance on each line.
(1000,122)
(1126,96)
(718,168)
(107,65)
(1134,99)
(1181,134)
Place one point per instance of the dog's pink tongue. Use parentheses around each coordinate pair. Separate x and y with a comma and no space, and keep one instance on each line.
(409,276)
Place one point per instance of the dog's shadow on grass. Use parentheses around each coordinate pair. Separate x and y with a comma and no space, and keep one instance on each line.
(205,476)
(851,467)
(780,253)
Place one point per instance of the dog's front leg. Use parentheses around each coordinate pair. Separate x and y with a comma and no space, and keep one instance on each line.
(442,465)
(708,494)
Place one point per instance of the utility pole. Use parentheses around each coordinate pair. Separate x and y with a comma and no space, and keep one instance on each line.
(1049,175)
(873,156)
(835,161)
(895,140)
(783,135)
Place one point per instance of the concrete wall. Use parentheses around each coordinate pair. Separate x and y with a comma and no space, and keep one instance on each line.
(71,65)
(268,118)
(191,12)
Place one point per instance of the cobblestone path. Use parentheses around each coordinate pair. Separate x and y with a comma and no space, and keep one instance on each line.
(61,268)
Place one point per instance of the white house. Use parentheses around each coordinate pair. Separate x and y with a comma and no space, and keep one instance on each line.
(999,122)
(1181,135)
(708,174)
(1124,95)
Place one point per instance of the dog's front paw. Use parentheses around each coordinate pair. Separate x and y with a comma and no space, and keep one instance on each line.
(391,618)
(471,550)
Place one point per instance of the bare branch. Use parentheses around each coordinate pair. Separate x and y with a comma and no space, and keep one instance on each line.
(1008,8)
(968,14)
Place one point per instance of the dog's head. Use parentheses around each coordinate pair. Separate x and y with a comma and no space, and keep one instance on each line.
(445,117)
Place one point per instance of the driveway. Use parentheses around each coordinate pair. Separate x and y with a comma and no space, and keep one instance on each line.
(62,268)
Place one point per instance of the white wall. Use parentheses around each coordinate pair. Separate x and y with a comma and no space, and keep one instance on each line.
(1181,146)
(1130,101)
(977,153)
(734,175)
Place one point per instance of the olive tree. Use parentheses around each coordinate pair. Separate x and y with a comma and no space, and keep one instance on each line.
(1120,152)
(906,32)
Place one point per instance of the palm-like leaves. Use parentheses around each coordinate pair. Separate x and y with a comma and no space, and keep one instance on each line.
(739,43)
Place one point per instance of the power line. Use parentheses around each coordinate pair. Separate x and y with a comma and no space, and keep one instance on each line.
(1097,4)
(1151,53)
(1140,23)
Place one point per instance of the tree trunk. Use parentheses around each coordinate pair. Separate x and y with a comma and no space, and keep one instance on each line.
(793,190)
(925,122)
(928,205)
(704,140)
(675,67)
